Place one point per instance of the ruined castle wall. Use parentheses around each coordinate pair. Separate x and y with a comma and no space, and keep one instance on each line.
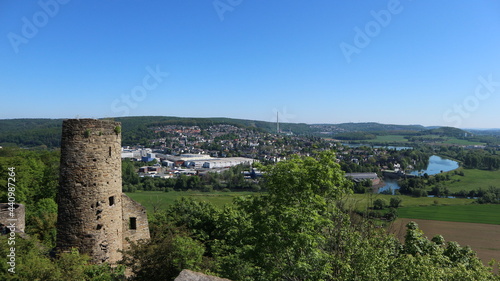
(89,198)
(135,221)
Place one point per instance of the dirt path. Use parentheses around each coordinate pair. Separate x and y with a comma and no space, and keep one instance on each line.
(482,238)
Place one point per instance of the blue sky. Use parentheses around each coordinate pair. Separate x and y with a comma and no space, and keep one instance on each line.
(402,62)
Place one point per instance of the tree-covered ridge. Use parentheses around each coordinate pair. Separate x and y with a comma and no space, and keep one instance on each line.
(367,127)
(446,131)
(141,124)
(138,130)
(30,132)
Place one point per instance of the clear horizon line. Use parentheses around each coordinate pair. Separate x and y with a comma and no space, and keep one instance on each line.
(314,123)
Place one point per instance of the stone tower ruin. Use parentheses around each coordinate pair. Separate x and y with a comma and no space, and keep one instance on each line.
(94,216)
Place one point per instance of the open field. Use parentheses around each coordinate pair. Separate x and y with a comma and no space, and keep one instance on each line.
(462,142)
(438,140)
(162,200)
(474,213)
(354,201)
(389,139)
(360,201)
(474,179)
(482,238)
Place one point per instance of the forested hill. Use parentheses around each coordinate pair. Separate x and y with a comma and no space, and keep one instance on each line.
(30,132)
(368,127)
(46,133)
(447,131)
(149,121)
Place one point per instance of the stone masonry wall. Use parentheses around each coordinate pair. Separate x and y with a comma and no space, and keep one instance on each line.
(18,219)
(135,221)
(89,199)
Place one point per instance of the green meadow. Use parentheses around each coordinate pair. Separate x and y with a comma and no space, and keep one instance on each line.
(362,201)
(428,208)
(389,139)
(402,139)
(473,179)
(462,142)
(161,200)
(474,213)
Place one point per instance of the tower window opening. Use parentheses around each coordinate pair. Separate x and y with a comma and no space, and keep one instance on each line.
(110,151)
(111,201)
(133,223)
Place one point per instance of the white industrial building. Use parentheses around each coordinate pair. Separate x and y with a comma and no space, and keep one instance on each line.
(226,162)
(137,153)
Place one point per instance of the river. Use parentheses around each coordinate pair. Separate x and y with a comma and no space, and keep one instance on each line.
(436,166)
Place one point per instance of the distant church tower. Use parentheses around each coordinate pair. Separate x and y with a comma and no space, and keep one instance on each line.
(94,216)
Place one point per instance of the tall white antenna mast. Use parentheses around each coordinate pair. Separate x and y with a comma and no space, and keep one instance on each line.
(277,122)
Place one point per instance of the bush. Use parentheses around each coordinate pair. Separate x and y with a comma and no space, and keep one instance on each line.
(395,202)
(163,258)
(391,215)
(379,204)
(417,192)
(207,188)
(35,263)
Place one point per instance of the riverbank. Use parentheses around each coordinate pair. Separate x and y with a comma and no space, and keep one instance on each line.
(437,165)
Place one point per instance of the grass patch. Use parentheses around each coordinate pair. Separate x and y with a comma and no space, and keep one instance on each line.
(462,142)
(389,139)
(362,201)
(473,179)
(161,200)
(446,209)
(473,213)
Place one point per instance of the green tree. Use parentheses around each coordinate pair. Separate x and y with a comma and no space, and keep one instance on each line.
(286,240)
(395,202)
(164,256)
(295,231)
(129,173)
(41,221)
(379,204)
(34,263)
